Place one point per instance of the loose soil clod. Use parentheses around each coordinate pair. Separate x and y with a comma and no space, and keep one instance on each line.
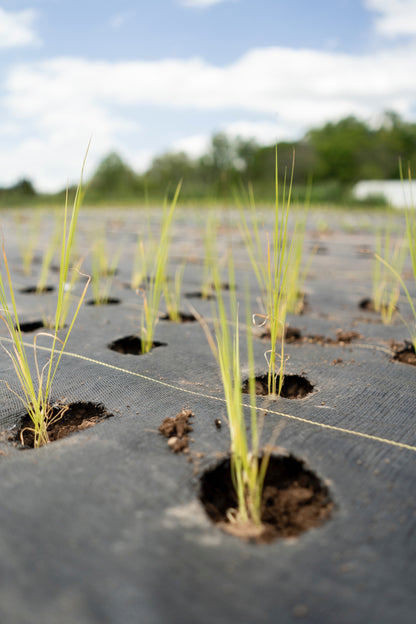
(406,354)
(294,500)
(65,419)
(176,429)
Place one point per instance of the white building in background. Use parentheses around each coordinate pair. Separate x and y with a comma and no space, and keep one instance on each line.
(397,193)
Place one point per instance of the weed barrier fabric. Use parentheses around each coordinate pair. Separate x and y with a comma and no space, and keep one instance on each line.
(106,526)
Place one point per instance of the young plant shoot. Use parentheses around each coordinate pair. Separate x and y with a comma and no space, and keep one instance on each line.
(172,294)
(247,469)
(103,270)
(154,288)
(48,256)
(411,241)
(271,261)
(36,387)
(386,287)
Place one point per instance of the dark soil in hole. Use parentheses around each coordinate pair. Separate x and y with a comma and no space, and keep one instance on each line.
(176,430)
(131,345)
(294,500)
(319,249)
(183,318)
(74,417)
(100,302)
(363,252)
(294,386)
(293,335)
(32,290)
(200,295)
(406,354)
(368,305)
(31,326)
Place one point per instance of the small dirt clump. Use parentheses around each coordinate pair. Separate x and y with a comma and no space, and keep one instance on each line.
(176,430)
(405,354)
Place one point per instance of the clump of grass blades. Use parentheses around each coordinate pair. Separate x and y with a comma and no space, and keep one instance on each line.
(248,470)
(271,265)
(154,289)
(210,257)
(48,257)
(410,211)
(35,389)
(103,269)
(172,294)
(27,244)
(386,287)
(298,268)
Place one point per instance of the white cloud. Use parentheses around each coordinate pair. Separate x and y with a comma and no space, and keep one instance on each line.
(195,145)
(396,17)
(264,132)
(202,4)
(54,106)
(16,29)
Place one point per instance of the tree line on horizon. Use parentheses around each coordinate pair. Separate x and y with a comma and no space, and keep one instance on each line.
(329,160)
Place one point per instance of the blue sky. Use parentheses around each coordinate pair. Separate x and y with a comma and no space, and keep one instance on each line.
(143,78)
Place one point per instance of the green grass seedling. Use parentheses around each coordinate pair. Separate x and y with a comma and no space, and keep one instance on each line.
(410,212)
(145,250)
(157,278)
(271,263)
(48,256)
(103,269)
(172,294)
(36,387)
(210,254)
(28,230)
(386,287)
(247,469)
(297,268)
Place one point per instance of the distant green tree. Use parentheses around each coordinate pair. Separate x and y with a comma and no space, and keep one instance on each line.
(337,147)
(166,171)
(114,177)
(23,187)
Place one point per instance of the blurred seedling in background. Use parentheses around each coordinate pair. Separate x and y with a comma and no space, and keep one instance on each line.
(298,268)
(36,386)
(386,287)
(28,229)
(210,254)
(48,256)
(172,290)
(410,212)
(153,290)
(144,251)
(104,268)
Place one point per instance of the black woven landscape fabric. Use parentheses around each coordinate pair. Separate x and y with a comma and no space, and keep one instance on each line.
(105,526)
